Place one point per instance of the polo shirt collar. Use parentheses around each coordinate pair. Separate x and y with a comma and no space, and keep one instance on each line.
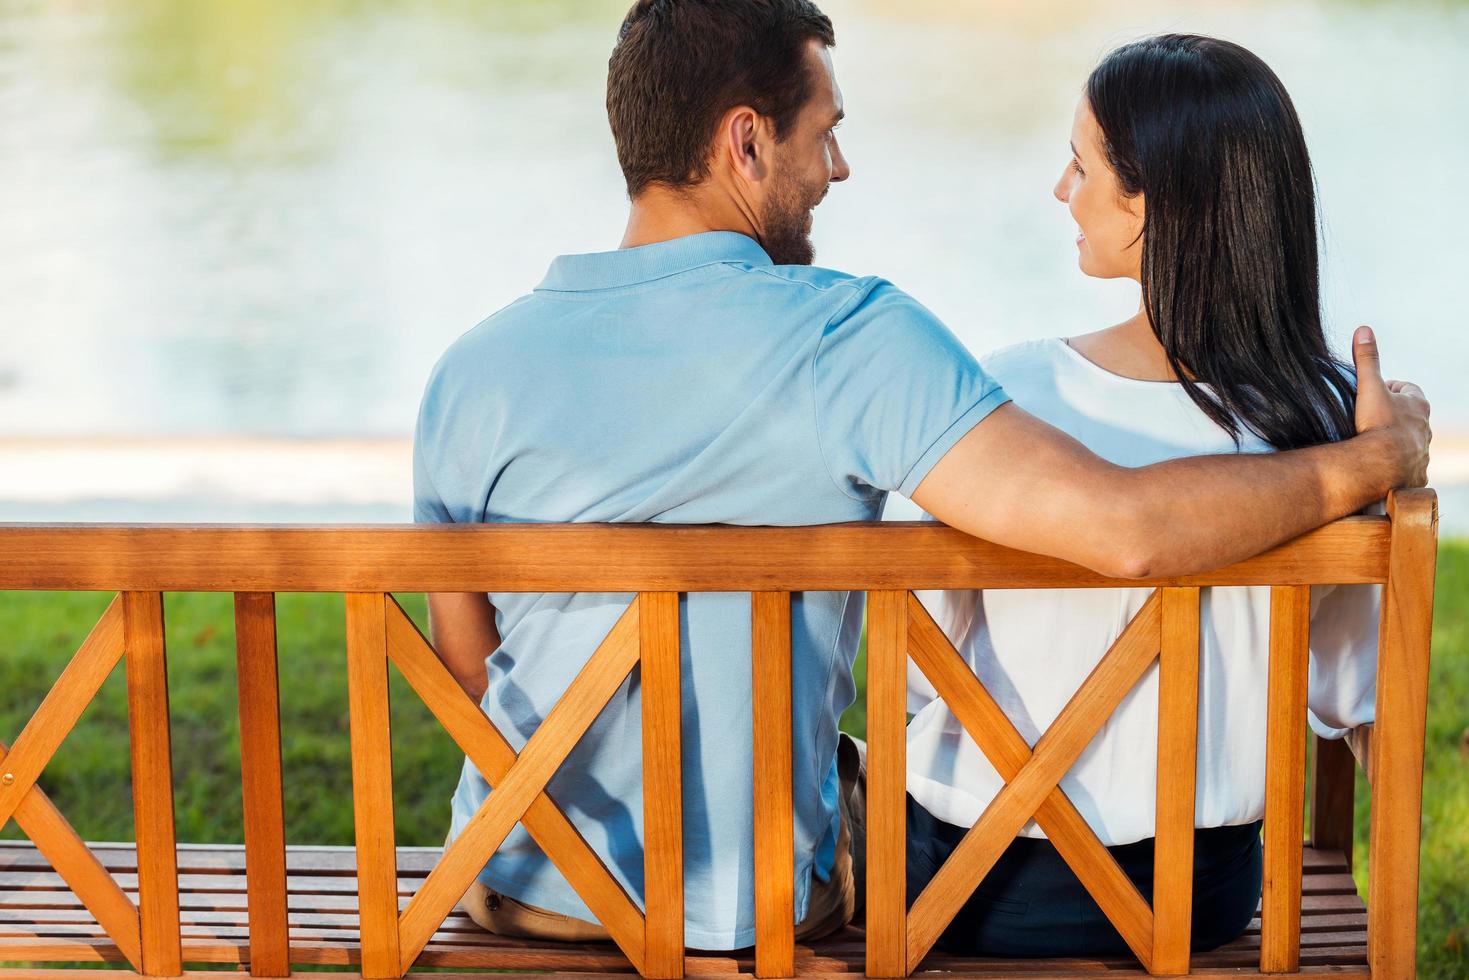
(628,266)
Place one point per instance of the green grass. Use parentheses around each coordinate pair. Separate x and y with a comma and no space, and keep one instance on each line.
(88,779)
(1443,889)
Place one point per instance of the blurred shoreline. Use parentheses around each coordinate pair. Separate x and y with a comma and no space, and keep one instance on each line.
(350,480)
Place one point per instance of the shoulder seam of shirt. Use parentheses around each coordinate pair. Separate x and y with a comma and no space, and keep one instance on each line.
(862,288)
(488,317)
(733,263)
(444,358)
(853,282)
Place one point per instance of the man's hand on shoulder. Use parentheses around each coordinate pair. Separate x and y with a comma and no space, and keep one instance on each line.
(1393,415)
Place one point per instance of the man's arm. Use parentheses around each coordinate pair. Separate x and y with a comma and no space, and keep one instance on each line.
(1018,482)
(462,625)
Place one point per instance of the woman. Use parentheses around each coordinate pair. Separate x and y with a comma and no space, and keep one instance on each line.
(1189,174)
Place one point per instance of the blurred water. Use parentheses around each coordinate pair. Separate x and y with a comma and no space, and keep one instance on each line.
(270,219)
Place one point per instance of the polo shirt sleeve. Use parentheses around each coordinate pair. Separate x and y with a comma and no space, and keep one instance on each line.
(428,506)
(894,390)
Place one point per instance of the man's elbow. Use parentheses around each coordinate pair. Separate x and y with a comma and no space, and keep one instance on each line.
(473,684)
(1131,549)
(1154,558)
(1130,561)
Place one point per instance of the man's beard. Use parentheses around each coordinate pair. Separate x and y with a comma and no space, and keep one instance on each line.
(787,235)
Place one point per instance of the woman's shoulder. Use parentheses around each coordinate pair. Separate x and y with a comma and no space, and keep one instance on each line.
(1024,359)
(1037,373)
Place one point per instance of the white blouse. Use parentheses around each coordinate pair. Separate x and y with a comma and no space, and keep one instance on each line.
(1033,648)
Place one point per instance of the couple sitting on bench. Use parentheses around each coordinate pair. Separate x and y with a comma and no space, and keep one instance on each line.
(706,372)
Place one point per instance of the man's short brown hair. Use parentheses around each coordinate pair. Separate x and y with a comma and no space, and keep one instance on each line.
(680,65)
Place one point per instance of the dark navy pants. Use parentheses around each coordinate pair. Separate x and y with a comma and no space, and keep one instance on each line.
(1031,904)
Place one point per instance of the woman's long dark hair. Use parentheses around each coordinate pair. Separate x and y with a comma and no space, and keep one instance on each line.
(1206,133)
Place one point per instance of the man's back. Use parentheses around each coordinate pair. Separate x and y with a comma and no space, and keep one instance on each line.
(685,382)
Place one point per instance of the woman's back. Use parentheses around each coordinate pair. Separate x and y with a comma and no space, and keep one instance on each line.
(1032,649)
(1188,175)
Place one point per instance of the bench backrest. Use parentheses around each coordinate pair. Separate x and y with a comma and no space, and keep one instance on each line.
(656,564)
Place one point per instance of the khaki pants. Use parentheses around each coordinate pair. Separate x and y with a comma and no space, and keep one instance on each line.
(831,904)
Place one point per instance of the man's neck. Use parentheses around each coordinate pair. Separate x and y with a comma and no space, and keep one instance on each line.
(661,214)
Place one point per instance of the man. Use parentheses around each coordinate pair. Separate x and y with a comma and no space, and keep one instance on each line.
(706,373)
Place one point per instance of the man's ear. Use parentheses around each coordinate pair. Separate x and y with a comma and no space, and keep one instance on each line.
(745,141)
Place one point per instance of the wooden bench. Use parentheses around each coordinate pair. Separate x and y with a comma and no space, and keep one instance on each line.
(158,905)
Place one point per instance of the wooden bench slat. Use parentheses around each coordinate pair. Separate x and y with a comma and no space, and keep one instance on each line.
(468,932)
(844,956)
(147,677)
(223,860)
(1337,973)
(372,781)
(771,705)
(262,790)
(1178,714)
(1328,884)
(887,662)
(121,856)
(662,708)
(308,951)
(240,932)
(300,884)
(1333,901)
(1333,795)
(1396,773)
(1285,764)
(573,558)
(325,859)
(459,949)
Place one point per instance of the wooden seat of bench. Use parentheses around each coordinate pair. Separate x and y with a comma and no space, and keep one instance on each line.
(40,918)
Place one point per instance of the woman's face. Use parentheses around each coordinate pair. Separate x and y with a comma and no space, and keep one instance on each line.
(1110,223)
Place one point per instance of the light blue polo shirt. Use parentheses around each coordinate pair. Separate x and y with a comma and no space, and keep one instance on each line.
(686,382)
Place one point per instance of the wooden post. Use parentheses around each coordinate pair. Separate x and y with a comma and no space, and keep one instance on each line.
(158,876)
(1397,740)
(1333,796)
(1178,734)
(1285,775)
(770,632)
(260,773)
(887,777)
(372,783)
(663,936)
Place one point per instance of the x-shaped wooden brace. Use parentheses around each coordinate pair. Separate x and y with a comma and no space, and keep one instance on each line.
(45,825)
(1032,780)
(519,782)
